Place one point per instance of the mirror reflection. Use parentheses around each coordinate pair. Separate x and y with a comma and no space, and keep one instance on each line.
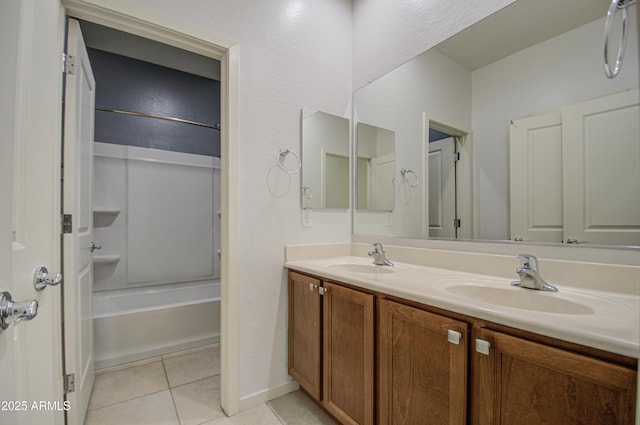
(543,147)
(325,160)
(375,168)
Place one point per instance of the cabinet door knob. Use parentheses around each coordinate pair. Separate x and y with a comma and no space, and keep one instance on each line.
(454,337)
(483,346)
(312,287)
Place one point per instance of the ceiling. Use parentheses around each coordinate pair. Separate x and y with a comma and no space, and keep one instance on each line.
(520,25)
(132,46)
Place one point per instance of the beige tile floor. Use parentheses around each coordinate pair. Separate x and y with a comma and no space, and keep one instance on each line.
(184,389)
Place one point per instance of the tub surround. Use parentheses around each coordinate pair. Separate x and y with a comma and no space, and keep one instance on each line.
(610,294)
(139,323)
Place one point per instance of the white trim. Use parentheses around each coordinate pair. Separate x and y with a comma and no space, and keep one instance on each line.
(464,180)
(126,17)
(268,394)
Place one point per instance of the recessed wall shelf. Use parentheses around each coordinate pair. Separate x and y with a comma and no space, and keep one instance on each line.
(106,210)
(104,216)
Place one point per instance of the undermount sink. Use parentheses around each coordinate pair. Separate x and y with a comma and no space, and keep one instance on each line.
(362,268)
(525,299)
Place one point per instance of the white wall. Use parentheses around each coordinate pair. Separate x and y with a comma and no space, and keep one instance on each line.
(387,33)
(292,54)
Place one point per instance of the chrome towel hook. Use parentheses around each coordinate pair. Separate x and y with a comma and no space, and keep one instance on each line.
(623,5)
(282,155)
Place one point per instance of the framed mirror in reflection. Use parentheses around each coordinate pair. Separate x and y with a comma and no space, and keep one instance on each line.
(541,145)
(325,160)
(375,168)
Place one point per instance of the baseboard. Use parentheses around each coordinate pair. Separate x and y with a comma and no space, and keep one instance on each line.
(267,395)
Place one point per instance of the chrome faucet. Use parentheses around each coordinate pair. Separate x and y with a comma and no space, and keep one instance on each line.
(530,275)
(379,258)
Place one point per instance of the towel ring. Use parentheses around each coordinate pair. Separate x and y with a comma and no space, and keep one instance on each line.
(608,25)
(284,153)
(404,172)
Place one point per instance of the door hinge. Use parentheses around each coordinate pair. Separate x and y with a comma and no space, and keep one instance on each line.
(66,223)
(69,64)
(456,156)
(457,223)
(69,383)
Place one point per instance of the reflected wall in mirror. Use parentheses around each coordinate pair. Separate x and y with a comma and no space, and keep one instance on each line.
(375,168)
(325,160)
(532,59)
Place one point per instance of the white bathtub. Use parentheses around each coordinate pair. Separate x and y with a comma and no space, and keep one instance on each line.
(139,323)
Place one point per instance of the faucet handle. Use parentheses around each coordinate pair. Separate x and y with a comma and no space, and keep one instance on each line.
(377,249)
(528,261)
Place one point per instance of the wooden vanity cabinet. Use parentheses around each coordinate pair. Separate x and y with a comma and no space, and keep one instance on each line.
(422,367)
(520,382)
(305,339)
(438,370)
(331,346)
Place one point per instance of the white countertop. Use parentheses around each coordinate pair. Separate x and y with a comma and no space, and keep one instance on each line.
(605,320)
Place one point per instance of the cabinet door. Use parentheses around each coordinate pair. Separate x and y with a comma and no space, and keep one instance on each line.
(525,383)
(422,375)
(304,332)
(348,354)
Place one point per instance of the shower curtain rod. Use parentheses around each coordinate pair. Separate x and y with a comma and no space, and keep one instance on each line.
(160,117)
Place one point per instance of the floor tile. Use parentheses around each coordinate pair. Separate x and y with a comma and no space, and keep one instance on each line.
(198,401)
(260,415)
(125,384)
(297,409)
(192,367)
(154,409)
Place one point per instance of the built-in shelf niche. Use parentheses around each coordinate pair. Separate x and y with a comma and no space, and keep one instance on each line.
(102,260)
(104,216)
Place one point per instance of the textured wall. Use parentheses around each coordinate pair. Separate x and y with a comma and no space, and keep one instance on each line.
(387,33)
(292,54)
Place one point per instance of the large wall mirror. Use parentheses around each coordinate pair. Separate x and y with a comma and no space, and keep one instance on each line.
(510,130)
(325,160)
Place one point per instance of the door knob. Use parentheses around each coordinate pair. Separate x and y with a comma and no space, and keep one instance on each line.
(42,278)
(93,246)
(12,312)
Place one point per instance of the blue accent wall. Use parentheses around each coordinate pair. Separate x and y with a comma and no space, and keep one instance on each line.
(435,135)
(132,85)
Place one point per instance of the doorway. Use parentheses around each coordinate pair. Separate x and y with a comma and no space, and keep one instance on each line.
(228,154)
(447,198)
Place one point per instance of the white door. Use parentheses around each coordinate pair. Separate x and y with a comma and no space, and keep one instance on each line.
(9,13)
(77,190)
(442,189)
(382,187)
(535,164)
(601,152)
(30,110)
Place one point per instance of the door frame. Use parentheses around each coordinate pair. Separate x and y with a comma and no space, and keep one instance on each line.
(464,174)
(127,18)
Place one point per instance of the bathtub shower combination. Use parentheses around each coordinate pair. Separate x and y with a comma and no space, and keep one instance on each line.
(156,278)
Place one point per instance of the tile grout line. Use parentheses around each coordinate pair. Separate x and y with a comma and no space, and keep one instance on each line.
(173,401)
(127,400)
